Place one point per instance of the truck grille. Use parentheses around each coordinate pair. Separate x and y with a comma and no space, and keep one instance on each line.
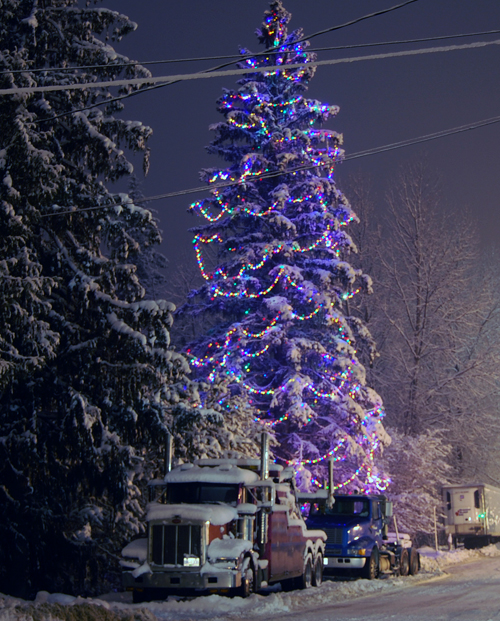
(171,542)
(334,536)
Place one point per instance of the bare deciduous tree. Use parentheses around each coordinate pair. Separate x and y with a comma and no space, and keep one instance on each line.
(440,319)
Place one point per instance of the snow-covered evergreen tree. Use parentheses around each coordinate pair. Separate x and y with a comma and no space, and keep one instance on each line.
(88,382)
(274,256)
(151,264)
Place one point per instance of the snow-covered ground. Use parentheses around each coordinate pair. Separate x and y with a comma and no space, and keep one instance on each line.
(435,562)
(118,606)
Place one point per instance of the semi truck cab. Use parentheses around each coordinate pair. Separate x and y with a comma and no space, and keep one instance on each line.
(223,525)
(355,528)
(358,541)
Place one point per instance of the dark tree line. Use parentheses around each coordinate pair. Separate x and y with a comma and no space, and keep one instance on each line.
(88,381)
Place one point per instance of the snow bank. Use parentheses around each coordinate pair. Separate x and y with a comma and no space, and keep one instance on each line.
(218,607)
(261,607)
(436,561)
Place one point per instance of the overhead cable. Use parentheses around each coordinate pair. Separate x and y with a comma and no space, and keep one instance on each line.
(426,138)
(357,20)
(247,71)
(251,55)
(242,57)
(353,156)
(151,88)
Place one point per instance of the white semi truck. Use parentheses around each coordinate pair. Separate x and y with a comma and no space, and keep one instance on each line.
(224,525)
(472,514)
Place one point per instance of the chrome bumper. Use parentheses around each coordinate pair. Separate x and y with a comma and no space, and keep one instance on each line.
(343,562)
(182,580)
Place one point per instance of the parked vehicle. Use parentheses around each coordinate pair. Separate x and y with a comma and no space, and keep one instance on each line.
(224,525)
(472,514)
(358,541)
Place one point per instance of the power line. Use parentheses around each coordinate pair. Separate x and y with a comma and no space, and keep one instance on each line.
(150,88)
(242,57)
(356,20)
(426,138)
(353,156)
(232,56)
(246,71)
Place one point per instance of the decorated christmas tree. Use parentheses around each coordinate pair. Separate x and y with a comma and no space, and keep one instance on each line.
(278,283)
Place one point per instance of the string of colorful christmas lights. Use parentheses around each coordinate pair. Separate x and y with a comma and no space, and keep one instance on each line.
(278,245)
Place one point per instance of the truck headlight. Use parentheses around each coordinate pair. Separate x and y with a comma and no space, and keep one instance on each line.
(357,551)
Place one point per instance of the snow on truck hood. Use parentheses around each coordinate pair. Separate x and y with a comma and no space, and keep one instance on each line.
(136,549)
(227,548)
(215,514)
(227,473)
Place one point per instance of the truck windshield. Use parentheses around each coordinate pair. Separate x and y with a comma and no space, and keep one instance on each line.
(196,493)
(347,507)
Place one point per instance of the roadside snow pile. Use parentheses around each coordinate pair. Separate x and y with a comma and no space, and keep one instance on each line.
(118,606)
(492,550)
(431,560)
(60,607)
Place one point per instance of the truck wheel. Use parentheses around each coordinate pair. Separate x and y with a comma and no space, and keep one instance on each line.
(138,597)
(247,583)
(370,570)
(151,594)
(414,564)
(404,563)
(305,580)
(290,584)
(317,575)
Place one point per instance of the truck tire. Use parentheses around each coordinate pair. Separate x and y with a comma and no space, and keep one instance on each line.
(471,543)
(317,575)
(144,595)
(305,580)
(289,584)
(370,570)
(404,563)
(414,564)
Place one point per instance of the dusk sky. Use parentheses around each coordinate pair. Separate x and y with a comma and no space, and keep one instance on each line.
(381,101)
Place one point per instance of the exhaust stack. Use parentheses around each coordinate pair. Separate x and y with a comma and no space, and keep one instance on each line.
(169,452)
(264,456)
(331,499)
(264,475)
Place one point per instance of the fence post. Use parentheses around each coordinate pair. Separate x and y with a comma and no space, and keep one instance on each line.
(435,530)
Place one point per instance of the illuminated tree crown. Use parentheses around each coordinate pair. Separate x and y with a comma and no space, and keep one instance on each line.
(274,259)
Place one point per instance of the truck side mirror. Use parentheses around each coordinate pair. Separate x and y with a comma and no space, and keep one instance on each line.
(156,488)
(388,509)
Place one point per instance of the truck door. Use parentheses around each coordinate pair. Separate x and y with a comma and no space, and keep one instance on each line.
(462,506)
(286,536)
(278,539)
(376,526)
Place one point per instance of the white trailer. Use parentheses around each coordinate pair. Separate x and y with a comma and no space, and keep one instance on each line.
(472,513)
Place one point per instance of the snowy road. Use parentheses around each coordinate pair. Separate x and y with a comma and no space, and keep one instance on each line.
(471,592)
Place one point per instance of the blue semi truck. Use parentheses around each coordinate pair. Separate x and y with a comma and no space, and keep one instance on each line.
(358,539)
